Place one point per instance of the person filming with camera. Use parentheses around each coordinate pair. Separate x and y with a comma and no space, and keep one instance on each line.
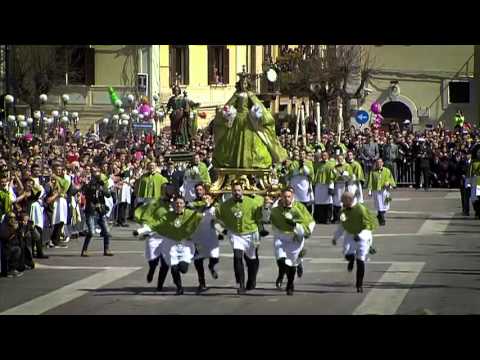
(95,192)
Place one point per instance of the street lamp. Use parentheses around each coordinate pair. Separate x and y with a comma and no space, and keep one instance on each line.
(8,100)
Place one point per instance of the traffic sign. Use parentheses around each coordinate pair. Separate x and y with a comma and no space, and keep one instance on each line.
(147,126)
(362,117)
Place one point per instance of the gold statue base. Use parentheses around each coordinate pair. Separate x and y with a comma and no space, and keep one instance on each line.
(265,182)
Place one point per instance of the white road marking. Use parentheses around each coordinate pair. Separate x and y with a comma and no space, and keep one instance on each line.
(41,266)
(69,292)
(387,300)
(453,196)
(377,235)
(436,226)
(394,199)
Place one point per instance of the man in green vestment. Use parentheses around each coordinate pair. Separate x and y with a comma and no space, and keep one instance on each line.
(176,229)
(356,226)
(380,184)
(241,216)
(149,186)
(196,173)
(356,185)
(323,182)
(292,223)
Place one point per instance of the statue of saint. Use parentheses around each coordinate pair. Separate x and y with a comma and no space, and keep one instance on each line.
(182,117)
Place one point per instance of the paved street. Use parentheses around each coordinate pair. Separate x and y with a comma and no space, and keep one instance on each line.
(427,263)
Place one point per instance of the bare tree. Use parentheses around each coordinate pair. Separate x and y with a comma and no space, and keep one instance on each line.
(38,69)
(340,73)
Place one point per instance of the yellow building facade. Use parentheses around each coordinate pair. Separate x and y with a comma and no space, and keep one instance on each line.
(207,73)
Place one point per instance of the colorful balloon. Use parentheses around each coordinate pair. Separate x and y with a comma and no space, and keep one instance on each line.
(376,108)
(113,96)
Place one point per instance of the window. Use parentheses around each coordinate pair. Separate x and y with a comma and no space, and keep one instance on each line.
(179,64)
(76,65)
(458,92)
(145,62)
(218,65)
(267,54)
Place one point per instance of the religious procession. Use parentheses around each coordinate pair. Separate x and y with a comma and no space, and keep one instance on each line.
(266,201)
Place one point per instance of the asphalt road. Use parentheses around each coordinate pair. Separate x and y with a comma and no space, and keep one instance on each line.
(427,263)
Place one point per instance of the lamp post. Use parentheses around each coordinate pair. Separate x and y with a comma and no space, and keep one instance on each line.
(8,101)
(41,117)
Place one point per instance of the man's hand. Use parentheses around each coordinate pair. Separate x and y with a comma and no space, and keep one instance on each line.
(330,192)
(370,193)
(356,238)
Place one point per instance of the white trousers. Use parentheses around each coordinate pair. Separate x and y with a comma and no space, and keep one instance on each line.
(205,238)
(248,243)
(358,248)
(36,214)
(153,247)
(60,211)
(338,191)
(379,200)
(285,246)
(301,188)
(356,189)
(189,189)
(321,194)
(174,252)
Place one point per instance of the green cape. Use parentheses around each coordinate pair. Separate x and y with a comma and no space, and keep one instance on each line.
(358,218)
(307,169)
(150,186)
(240,217)
(300,215)
(323,173)
(178,227)
(377,180)
(357,170)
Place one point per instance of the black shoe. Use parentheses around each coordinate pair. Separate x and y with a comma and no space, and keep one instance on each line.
(251,285)
(350,266)
(278,284)
(125,225)
(241,291)
(300,270)
(201,288)
(213,272)
(290,290)
(43,256)
(151,273)
(159,287)
(179,291)
(360,289)
(15,274)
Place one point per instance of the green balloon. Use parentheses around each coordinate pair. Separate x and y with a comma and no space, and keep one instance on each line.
(113,95)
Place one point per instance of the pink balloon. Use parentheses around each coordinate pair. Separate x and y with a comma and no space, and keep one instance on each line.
(376,108)
(144,108)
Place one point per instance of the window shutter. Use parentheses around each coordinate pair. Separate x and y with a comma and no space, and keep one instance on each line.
(89,66)
(186,77)
(210,65)
(172,65)
(226,66)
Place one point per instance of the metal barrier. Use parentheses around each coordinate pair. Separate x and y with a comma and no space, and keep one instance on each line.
(405,174)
